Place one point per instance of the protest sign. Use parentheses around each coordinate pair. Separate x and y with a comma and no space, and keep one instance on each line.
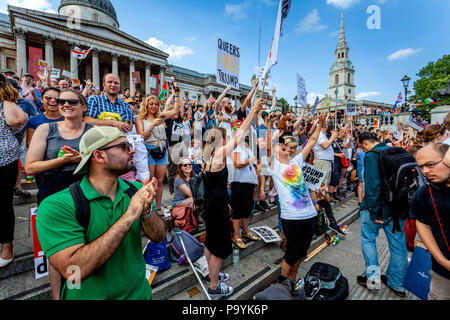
(40,261)
(259,73)
(136,77)
(350,109)
(227,64)
(76,82)
(267,234)
(54,75)
(152,82)
(301,90)
(67,74)
(413,125)
(313,177)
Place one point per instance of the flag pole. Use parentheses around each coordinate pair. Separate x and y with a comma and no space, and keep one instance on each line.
(264,85)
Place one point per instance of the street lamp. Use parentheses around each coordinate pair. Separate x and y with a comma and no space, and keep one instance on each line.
(405,82)
(295,100)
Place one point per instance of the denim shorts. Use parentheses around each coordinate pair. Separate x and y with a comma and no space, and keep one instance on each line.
(157,162)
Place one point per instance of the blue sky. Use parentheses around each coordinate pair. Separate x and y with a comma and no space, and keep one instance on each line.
(413,33)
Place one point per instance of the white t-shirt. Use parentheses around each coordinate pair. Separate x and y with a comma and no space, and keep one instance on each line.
(195,154)
(187,127)
(295,199)
(321,153)
(227,125)
(246,174)
(447,141)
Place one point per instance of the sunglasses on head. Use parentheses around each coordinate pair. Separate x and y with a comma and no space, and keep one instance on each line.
(72,102)
(125,146)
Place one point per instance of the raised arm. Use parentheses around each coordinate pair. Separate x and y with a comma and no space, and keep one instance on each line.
(313,139)
(223,95)
(250,95)
(274,99)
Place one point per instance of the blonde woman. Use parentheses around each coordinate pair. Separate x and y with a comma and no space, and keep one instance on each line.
(150,124)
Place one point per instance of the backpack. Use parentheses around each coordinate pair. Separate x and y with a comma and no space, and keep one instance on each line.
(400,179)
(321,224)
(333,285)
(281,291)
(82,206)
(156,255)
(182,217)
(194,248)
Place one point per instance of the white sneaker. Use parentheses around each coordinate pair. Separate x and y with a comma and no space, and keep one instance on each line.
(4,263)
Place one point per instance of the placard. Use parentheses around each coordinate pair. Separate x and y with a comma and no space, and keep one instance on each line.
(350,109)
(259,71)
(54,75)
(136,77)
(267,234)
(76,82)
(67,74)
(301,90)
(227,64)
(40,260)
(152,82)
(313,177)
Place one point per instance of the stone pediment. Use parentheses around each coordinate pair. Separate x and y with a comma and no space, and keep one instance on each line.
(85,30)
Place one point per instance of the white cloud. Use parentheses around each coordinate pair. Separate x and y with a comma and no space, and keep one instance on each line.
(40,5)
(311,98)
(334,33)
(403,54)
(309,24)
(365,95)
(238,11)
(343,4)
(175,52)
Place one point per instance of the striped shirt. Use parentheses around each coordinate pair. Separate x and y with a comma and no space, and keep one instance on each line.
(101,108)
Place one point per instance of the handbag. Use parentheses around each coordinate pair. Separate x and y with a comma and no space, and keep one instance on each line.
(344,161)
(157,255)
(158,153)
(417,278)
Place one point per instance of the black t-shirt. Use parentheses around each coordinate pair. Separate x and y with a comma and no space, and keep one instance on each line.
(336,147)
(241,115)
(423,209)
(174,131)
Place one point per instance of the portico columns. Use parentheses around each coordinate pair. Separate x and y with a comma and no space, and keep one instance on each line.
(147,78)
(21,51)
(162,76)
(49,57)
(132,69)
(73,61)
(115,63)
(95,67)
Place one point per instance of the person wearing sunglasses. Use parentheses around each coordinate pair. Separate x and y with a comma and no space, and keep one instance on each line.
(108,252)
(51,113)
(182,190)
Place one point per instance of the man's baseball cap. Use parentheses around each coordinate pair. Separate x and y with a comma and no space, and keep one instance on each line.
(95,139)
(129,100)
(7,71)
(264,114)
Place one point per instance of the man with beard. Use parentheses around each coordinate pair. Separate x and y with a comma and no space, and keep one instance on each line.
(225,118)
(107,254)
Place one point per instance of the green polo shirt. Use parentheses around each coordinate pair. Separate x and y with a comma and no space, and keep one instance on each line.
(123,275)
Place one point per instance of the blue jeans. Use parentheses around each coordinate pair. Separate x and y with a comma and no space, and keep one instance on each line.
(398,264)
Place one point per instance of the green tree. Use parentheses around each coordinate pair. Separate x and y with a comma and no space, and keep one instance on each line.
(284,104)
(432,77)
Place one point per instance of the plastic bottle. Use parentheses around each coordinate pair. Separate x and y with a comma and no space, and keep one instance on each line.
(335,241)
(300,285)
(235,255)
(61,153)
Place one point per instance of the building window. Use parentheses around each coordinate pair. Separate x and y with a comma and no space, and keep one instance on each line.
(336,79)
(339,55)
(96,18)
(349,91)
(349,78)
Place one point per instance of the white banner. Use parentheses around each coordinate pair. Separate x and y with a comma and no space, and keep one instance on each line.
(313,177)
(67,74)
(227,64)
(301,90)
(350,109)
(55,74)
(259,73)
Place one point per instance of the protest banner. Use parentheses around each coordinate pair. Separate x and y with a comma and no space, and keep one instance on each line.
(34,56)
(301,90)
(313,177)
(259,73)
(350,109)
(227,64)
(40,261)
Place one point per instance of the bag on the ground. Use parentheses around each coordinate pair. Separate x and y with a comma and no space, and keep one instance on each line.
(281,291)
(400,180)
(194,248)
(156,255)
(333,285)
(182,217)
(321,224)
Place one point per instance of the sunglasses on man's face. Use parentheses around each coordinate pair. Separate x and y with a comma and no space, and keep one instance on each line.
(125,146)
(48,98)
(72,102)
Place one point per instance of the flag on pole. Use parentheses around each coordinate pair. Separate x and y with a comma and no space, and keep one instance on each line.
(399,100)
(429,101)
(329,102)
(283,11)
(164,90)
(80,54)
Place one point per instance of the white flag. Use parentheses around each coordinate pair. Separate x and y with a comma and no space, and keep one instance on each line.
(283,10)
(80,54)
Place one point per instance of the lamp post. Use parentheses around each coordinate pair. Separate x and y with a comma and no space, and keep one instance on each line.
(405,82)
(296,100)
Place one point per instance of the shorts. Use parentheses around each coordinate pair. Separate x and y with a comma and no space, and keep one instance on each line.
(324,165)
(336,173)
(242,200)
(157,162)
(298,239)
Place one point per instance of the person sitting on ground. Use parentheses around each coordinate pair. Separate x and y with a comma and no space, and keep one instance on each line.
(182,190)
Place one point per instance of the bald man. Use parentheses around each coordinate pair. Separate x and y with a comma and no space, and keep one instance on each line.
(431,207)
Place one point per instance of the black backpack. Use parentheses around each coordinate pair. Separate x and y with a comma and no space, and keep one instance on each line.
(400,180)
(333,285)
(82,206)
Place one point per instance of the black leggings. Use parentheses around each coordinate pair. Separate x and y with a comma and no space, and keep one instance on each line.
(7,218)
(328,211)
(242,200)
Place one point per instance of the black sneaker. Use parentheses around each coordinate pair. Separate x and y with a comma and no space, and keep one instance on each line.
(222,290)
(337,229)
(401,294)
(362,280)
(264,205)
(19,192)
(223,277)
(259,208)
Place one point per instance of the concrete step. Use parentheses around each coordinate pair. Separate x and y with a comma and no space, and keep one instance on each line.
(24,286)
(28,186)
(18,201)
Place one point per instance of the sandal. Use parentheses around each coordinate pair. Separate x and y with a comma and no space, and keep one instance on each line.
(240,243)
(250,236)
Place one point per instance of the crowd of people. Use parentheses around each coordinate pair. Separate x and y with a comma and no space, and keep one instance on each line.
(117,148)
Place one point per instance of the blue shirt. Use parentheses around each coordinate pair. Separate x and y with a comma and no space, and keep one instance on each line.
(101,108)
(36,121)
(30,110)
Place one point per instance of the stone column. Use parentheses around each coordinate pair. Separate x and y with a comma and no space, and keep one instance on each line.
(73,61)
(162,77)
(49,57)
(147,78)
(132,69)
(115,63)
(3,64)
(21,51)
(95,67)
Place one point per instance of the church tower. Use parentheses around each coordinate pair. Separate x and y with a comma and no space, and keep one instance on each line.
(342,73)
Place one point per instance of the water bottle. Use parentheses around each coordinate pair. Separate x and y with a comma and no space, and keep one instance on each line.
(335,241)
(235,255)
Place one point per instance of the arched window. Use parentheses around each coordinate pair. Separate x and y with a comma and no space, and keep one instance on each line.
(96,18)
(339,55)
(349,78)
(336,79)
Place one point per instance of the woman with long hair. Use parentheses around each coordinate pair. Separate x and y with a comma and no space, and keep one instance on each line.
(150,124)
(216,216)
(12,121)
(182,190)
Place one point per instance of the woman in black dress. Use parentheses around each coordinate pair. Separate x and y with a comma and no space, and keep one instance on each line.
(218,239)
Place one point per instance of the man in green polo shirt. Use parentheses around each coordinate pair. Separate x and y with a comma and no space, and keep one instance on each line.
(108,255)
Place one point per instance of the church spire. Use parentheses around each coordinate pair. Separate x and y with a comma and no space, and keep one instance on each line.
(342,43)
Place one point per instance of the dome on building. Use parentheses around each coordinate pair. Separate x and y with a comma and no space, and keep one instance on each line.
(86,10)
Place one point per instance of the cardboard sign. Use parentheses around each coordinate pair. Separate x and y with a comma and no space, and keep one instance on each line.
(301,90)
(313,177)
(54,75)
(153,82)
(259,73)
(267,234)
(76,82)
(350,109)
(40,261)
(227,64)
(136,77)
(67,74)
